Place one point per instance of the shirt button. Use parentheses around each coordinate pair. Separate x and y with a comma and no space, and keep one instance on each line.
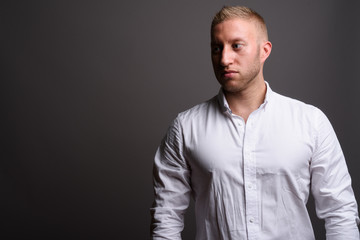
(251,220)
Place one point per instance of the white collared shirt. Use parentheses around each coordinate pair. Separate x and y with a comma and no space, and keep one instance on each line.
(252,181)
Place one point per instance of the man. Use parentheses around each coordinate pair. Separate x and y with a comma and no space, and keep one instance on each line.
(250,156)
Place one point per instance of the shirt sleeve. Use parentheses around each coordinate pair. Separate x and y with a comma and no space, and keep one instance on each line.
(331,185)
(172,190)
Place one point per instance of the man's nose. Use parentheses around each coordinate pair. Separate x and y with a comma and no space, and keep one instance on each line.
(227,56)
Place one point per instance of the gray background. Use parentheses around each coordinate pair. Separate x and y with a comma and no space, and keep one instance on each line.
(88,89)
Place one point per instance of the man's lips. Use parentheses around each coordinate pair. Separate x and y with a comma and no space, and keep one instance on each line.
(228,73)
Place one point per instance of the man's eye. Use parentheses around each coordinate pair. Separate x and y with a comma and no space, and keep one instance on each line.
(216,49)
(237,46)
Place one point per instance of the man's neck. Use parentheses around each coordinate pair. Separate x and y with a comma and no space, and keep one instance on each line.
(244,102)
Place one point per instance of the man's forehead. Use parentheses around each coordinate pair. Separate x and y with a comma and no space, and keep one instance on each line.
(235,28)
(235,23)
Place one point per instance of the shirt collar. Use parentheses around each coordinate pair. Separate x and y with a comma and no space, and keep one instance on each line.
(225,106)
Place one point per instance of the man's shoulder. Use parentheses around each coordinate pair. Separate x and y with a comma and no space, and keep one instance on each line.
(293,103)
(198,111)
(296,107)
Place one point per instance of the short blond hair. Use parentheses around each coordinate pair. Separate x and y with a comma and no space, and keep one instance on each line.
(242,12)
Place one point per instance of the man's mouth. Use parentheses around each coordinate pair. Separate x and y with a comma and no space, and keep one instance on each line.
(228,73)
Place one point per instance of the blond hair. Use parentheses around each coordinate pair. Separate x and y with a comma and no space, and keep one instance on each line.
(230,12)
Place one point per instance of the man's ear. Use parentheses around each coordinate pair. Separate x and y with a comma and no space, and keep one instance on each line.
(265,50)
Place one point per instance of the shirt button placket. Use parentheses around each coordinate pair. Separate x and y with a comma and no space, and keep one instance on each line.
(250,183)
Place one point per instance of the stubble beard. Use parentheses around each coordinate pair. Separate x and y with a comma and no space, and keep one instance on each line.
(242,81)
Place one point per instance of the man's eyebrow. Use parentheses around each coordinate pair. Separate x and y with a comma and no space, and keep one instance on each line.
(215,42)
(238,40)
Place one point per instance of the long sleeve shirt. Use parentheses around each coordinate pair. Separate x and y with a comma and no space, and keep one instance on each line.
(252,180)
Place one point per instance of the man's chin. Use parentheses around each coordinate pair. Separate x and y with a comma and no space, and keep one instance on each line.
(230,88)
(228,82)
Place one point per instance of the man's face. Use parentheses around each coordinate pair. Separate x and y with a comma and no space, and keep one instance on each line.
(235,51)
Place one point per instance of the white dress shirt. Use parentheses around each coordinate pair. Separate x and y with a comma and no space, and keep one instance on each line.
(252,181)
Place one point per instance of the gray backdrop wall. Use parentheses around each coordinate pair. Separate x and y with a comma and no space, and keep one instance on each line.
(88,89)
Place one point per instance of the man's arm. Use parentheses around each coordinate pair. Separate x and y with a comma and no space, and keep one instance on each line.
(331,185)
(171,187)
